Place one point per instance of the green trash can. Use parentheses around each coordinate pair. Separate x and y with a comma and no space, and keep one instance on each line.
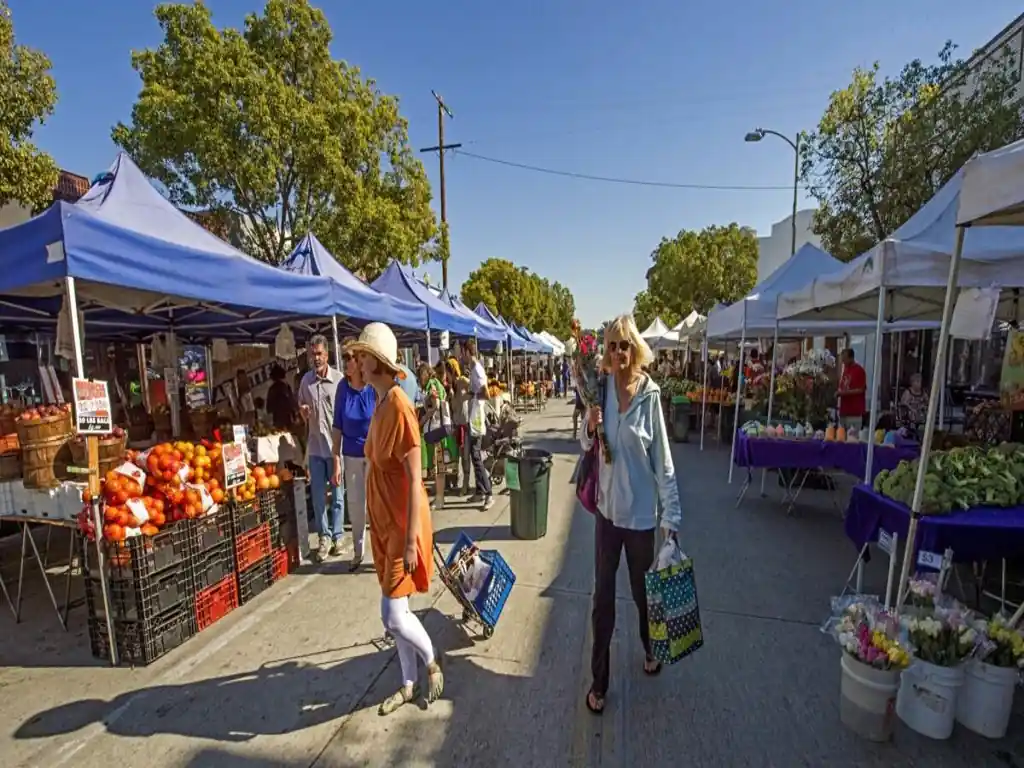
(680,418)
(529,480)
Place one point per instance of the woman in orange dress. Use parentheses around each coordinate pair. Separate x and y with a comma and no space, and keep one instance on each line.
(401,536)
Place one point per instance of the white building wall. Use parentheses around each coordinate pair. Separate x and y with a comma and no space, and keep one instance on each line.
(773,250)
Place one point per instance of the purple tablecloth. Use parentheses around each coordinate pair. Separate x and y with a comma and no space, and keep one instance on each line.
(983,533)
(783,453)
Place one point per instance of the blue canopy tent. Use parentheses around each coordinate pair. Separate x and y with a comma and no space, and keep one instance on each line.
(518,341)
(358,300)
(441,316)
(134,265)
(486,330)
(539,345)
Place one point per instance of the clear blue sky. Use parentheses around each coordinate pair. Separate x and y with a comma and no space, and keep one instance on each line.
(653,90)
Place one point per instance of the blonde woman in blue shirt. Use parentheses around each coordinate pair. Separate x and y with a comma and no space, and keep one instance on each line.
(640,477)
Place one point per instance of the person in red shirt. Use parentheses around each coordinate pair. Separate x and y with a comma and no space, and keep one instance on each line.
(853,384)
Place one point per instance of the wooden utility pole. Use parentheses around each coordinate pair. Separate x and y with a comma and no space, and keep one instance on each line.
(442,110)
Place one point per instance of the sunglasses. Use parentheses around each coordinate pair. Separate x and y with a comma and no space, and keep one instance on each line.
(621,346)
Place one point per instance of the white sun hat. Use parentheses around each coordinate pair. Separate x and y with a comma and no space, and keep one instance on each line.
(379,340)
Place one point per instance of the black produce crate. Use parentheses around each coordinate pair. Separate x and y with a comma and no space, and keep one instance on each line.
(255,579)
(267,502)
(211,566)
(142,642)
(140,556)
(275,533)
(286,499)
(206,533)
(247,516)
(141,600)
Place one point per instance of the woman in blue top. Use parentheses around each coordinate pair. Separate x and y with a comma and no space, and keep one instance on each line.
(640,479)
(353,409)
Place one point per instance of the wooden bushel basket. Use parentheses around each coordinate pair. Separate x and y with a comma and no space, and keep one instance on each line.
(42,430)
(10,466)
(45,464)
(111,453)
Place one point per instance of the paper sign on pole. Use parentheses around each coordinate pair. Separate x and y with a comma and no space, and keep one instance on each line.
(92,407)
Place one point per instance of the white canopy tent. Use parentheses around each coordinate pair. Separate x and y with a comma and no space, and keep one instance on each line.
(655,330)
(990,203)
(557,346)
(681,332)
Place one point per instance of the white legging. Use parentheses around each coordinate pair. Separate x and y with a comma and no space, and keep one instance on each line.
(355,493)
(410,636)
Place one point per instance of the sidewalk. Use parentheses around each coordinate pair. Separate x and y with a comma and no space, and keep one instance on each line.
(294,679)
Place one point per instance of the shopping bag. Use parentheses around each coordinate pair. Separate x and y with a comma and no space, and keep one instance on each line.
(673,617)
(587,478)
(438,424)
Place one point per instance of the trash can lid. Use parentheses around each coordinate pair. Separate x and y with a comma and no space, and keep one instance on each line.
(535,455)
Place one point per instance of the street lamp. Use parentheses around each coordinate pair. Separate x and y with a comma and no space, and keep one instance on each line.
(759,133)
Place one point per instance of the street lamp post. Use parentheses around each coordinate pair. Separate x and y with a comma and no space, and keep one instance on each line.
(759,133)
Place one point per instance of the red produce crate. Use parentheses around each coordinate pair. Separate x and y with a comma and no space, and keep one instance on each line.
(253,546)
(216,602)
(280,563)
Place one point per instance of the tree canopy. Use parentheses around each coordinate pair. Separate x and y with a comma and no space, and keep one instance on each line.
(28,94)
(885,145)
(520,296)
(262,123)
(697,270)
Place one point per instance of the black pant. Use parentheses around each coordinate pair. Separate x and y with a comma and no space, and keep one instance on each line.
(480,473)
(609,540)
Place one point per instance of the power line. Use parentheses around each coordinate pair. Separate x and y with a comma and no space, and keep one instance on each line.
(617,180)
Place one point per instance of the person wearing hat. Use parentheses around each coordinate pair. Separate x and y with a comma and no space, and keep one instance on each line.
(401,535)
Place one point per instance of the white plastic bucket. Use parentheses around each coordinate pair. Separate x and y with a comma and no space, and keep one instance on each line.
(867,700)
(927,698)
(985,702)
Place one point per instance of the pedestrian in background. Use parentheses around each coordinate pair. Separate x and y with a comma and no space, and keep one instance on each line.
(640,479)
(477,426)
(401,534)
(353,409)
(317,392)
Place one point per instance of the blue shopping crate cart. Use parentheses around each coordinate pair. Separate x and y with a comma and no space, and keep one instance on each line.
(485,609)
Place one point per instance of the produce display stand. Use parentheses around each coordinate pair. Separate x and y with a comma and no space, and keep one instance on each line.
(807,455)
(25,524)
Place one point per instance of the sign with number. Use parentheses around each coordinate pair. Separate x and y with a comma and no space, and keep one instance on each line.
(885,542)
(92,407)
(512,475)
(929,560)
(233,455)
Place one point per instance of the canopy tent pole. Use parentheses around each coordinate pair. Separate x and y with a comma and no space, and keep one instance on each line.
(209,373)
(771,392)
(736,410)
(899,366)
(933,408)
(97,520)
(172,391)
(140,355)
(704,392)
(337,346)
(876,379)
(686,360)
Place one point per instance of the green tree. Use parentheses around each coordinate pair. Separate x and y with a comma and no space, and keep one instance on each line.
(885,145)
(697,270)
(520,296)
(27,97)
(264,123)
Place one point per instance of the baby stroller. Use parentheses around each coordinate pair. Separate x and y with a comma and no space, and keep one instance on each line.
(501,441)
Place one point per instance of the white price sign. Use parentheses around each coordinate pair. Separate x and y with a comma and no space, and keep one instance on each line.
(929,560)
(885,542)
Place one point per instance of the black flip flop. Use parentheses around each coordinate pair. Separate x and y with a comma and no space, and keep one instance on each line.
(652,672)
(599,710)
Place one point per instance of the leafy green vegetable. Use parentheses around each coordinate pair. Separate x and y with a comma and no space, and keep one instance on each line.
(960,478)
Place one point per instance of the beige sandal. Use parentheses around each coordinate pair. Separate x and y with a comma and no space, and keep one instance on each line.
(398,699)
(435,681)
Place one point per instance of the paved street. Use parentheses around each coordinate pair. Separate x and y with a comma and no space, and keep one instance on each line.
(294,678)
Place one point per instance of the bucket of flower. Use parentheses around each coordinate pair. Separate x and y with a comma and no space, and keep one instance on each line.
(941,641)
(872,661)
(990,678)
